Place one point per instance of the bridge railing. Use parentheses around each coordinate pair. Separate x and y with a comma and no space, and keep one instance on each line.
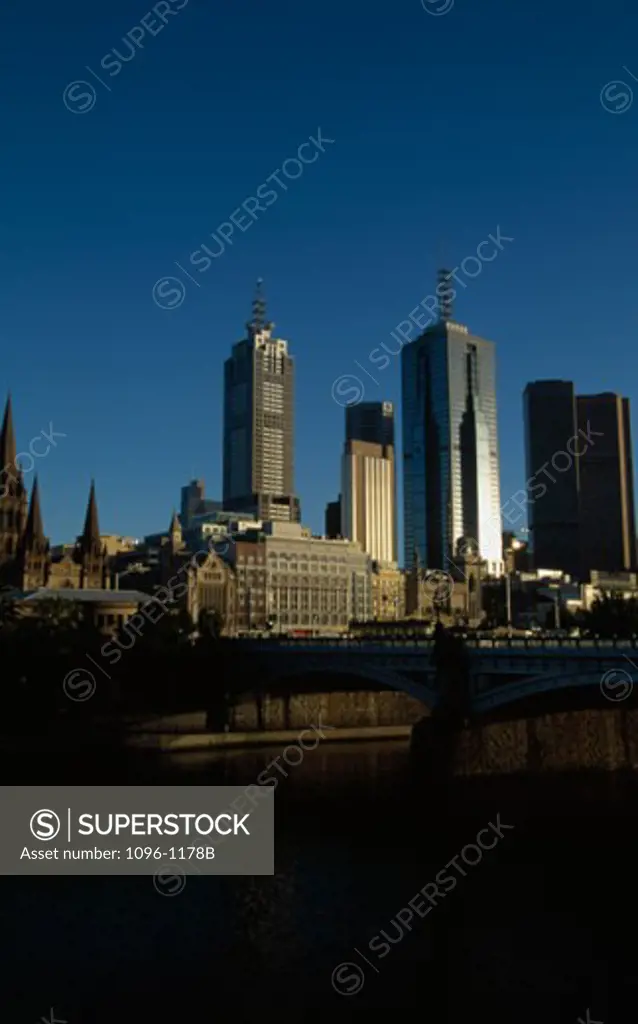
(471,642)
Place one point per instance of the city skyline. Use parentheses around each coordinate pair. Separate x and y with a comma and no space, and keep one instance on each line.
(360,419)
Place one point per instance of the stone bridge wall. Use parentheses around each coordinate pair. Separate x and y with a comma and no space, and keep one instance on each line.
(341,710)
(565,741)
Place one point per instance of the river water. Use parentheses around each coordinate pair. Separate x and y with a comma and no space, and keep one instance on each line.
(541,928)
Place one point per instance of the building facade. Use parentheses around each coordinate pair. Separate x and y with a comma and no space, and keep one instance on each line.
(194,503)
(450,446)
(372,422)
(259,424)
(606,476)
(108,610)
(291,582)
(388,593)
(368,499)
(368,480)
(552,500)
(333,519)
(197,578)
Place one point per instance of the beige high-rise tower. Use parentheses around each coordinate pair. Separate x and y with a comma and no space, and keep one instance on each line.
(368,480)
(258,423)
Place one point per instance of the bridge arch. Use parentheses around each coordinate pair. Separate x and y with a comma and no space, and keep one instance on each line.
(511,693)
(367,671)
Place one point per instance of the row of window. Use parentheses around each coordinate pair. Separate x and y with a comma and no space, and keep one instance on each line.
(104,621)
(309,621)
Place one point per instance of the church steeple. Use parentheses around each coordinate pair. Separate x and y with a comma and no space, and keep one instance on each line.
(90,553)
(33,557)
(10,472)
(89,544)
(34,532)
(175,535)
(8,449)
(13,501)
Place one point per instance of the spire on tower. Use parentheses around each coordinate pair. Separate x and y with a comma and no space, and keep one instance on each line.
(34,531)
(445,293)
(91,535)
(175,526)
(258,322)
(8,441)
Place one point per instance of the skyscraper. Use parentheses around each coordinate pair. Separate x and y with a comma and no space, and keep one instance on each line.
(553,514)
(258,423)
(607,516)
(372,422)
(333,519)
(368,480)
(192,500)
(450,444)
(195,503)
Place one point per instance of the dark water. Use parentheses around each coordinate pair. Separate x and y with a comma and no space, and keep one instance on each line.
(543,928)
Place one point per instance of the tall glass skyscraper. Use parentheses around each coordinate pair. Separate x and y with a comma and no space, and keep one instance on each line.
(450,447)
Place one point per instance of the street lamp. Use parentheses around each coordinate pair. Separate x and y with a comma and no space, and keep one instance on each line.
(508,600)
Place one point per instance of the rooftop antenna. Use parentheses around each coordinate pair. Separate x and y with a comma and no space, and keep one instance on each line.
(258,322)
(445,293)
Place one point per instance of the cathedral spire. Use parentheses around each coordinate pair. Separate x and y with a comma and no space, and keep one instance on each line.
(8,451)
(175,536)
(34,532)
(91,534)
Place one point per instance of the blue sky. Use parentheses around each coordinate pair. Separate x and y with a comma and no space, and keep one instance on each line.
(444,126)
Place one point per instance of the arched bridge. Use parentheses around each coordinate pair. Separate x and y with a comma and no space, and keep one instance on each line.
(502,672)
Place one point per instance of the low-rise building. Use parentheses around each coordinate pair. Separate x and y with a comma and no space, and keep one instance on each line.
(617,584)
(114,545)
(193,578)
(292,582)
(388,593)
(109,610)
(453,596)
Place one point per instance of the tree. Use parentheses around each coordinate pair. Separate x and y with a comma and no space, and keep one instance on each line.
(210,624)
(612,615)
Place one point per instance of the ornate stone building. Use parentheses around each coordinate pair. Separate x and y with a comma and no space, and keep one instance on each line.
(203,580)
(187,578)
(26,562)
(388,593)
(454,595)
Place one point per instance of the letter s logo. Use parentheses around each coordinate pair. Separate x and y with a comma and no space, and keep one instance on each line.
(44,825)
